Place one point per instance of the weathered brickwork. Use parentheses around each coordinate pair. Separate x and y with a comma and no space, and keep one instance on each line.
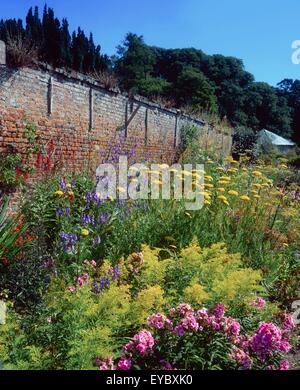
(61,108)
(83,120)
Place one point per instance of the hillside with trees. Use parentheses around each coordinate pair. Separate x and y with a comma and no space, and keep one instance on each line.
(183,78)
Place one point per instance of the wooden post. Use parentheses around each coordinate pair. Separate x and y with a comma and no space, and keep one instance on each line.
(50,96)
(175,131)
(126,119)
(146,127)
(91,109)
(2,53)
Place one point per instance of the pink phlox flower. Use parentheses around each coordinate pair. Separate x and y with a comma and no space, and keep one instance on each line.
(288,323)
(105,364)
(72,289)
(82,279)
(183,309)
(259,303)
(242,358)
(219,311)
(159,321)
(144,342)
(284,365)
(189,323)
(124,364)
(267,340)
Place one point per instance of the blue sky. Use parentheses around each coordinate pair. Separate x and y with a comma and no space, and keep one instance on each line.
(260,32)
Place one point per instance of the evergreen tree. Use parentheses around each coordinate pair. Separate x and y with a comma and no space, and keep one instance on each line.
(136,62)
(65,48)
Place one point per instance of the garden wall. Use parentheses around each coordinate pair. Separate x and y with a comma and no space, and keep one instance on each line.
(82,120)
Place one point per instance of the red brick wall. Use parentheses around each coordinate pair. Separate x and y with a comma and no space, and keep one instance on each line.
(82,119)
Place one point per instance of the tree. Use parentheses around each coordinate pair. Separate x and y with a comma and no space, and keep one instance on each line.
(34,27)
(290,90)
(65,48)
(135,63)
(153,86)
(193,88)
(51,49)
(266,109)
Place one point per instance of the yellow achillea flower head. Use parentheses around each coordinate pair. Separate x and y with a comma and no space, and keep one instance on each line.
(59,193)
(85,232)
(232,170)
(221,189)
(256,173)
(223,182)
(206,195)
(245,198)
(208,178)
(256,196)
(257,185)
(222,197)
(225,202)
(208,185)
(233,193)
(227,178)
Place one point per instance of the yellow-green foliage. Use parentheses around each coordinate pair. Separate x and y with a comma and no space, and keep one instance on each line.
(153,269)
(195,294)
(211,275)
(92,320)
(149,300)
(15,351)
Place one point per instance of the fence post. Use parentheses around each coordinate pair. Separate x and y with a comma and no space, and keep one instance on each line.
(2,53)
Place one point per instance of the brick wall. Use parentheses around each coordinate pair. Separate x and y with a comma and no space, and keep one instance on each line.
(82,119)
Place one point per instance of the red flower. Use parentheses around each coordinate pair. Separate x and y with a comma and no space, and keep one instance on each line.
(26,176)
(5,261)
(19,241)
(39,160)
(18,172)
(48,164)
(50,148)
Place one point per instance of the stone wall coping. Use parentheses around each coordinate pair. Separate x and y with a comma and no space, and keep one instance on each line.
(74,75)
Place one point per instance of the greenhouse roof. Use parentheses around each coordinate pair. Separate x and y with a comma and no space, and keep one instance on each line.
(276,139)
